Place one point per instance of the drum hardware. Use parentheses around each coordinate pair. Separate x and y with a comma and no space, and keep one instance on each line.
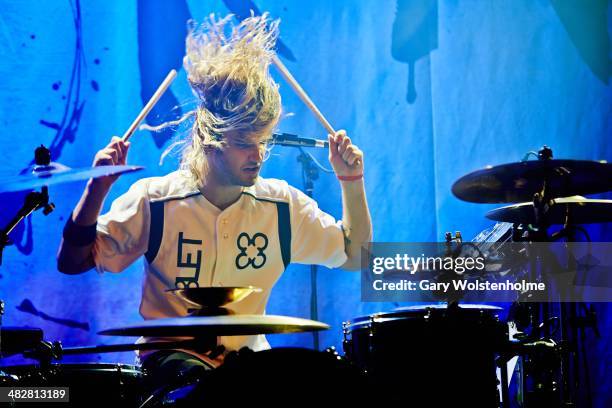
(548,193)
(458,239)
(382,343)
(29,341)
(16,340)
(449,240)
(34,200)
(47,351)
(4,377)
(589,320)
(501,362)
(204,330)
(489,245)
(41,175)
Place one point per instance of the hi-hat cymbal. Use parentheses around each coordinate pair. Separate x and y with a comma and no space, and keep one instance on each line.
(576,210)
(56,173)
(232,325)
(517,182)
(214,297)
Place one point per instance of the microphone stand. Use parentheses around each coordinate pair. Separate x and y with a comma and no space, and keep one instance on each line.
(310,173)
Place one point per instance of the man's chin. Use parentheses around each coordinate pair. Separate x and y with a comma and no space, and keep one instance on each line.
(248,181)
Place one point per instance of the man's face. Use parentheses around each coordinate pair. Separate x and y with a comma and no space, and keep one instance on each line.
(238,163)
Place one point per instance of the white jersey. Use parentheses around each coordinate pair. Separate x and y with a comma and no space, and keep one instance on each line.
(188,242)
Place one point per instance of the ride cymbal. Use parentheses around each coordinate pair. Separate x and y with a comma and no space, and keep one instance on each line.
(518,182)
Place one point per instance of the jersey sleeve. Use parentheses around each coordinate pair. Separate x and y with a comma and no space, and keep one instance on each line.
(316,237)
(123,232)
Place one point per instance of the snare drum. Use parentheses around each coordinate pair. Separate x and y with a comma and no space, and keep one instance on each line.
(90,384)
(444,355)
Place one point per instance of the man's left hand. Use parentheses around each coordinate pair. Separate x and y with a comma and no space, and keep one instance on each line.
(345,158)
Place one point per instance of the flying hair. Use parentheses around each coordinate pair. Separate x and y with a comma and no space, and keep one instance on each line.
(227,68)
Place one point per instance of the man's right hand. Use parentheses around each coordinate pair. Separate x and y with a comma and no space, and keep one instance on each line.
(74,259)
(114,154)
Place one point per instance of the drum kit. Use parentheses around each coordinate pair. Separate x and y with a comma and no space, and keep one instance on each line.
(442,354)
(458,354)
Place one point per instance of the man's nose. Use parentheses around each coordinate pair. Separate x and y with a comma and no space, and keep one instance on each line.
(257,153)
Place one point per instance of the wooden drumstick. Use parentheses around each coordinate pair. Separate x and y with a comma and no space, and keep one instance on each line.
(302,94)
(145,111)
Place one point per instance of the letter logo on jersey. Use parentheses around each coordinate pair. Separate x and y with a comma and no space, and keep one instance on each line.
(251,250)
(187,262)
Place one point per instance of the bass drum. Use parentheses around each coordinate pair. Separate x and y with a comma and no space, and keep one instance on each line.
(286,376)
(443,357)
(89,384)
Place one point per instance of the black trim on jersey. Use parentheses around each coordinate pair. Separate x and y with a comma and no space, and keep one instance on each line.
(284,231)
(156,229)
(166,199)
(268,200)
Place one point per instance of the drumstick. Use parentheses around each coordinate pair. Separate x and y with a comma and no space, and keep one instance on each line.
(145,111)
(302,94)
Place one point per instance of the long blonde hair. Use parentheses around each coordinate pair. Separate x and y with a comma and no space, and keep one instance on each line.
(228,69)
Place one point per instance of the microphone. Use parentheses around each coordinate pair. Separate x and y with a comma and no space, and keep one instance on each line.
(287,139)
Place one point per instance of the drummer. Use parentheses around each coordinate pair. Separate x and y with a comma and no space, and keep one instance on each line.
(214,221)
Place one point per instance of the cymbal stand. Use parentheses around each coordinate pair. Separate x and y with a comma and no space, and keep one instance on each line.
(564,364)
(32,202)
(573,326)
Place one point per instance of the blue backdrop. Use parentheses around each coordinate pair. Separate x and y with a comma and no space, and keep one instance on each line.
(429,89)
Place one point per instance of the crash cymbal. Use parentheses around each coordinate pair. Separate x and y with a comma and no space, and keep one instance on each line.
(214,297)
(517,182)
(580,211)
(232,325)
(56,173)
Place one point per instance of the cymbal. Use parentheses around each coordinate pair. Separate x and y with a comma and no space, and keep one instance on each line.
(214,297)
(231,325)
(517,182)
(56,173)
(580,211)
